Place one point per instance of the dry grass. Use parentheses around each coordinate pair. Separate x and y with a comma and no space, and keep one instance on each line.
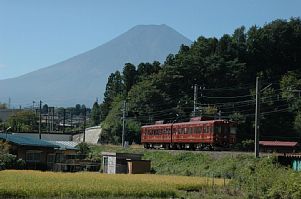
(36,184)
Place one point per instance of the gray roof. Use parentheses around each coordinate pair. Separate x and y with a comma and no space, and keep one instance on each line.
(26,141)
(65,145)
(132,156)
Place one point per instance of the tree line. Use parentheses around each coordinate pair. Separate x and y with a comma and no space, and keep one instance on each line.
(224,70)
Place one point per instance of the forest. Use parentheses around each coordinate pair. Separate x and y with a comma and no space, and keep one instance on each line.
(224,70)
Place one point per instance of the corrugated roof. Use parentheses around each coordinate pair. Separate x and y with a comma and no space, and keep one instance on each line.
(278,143)
(26,141)
(65,145)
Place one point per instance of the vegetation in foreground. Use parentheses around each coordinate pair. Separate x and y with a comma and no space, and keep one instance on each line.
(250,177)
(36,184)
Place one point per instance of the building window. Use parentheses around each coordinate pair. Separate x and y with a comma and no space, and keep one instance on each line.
(33,156)
(50,158)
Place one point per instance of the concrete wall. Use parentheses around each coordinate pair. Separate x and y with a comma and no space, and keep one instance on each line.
(92,135)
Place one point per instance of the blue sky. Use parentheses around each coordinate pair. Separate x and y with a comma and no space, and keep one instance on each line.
(38,33)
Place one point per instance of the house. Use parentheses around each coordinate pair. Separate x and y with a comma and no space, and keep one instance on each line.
(40,154)
(35,152)
(130,163)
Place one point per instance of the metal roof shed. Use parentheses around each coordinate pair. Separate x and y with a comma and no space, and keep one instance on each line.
(278,146)
(113,163)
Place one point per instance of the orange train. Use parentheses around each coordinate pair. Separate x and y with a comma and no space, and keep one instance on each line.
(195,134)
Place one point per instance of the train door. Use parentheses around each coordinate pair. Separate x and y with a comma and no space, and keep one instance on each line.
(232,133)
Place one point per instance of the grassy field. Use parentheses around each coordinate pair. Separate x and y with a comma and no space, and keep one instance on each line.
(250,177)
(36,184)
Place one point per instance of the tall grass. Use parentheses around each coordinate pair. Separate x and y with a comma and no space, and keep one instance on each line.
(36,184)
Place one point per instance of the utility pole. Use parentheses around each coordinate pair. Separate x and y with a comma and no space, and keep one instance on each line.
(85,113)
(46,121)
(9,102)
(123,122)
(64,120)
(201,89)
(52,118)
(40,119)
(33,102)
(49,120)
(71,125)
(195,96)
(257,117)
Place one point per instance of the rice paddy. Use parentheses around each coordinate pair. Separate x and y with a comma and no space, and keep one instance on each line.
(37,184)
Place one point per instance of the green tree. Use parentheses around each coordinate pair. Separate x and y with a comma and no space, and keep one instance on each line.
(129,75)
(45,108)
(23,121)
(112,125)
(3,106)
(95,114)
(114,88)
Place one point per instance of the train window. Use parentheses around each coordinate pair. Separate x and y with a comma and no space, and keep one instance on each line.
(168,131)
(205,129)
(186,130)
(211,129)
(200,130)
(233,130)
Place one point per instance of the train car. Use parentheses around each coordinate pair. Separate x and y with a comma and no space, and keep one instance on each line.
(195,134)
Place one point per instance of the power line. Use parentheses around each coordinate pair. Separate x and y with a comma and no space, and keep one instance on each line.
(230,97)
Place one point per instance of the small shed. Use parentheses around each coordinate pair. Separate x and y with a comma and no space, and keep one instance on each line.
(113,163)
(278,146)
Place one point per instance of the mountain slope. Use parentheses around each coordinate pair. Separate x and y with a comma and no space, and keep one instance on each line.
(82,78)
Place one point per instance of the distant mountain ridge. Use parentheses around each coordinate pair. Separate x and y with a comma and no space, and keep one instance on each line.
(82,78)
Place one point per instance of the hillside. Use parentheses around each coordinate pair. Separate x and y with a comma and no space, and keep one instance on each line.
(81,79)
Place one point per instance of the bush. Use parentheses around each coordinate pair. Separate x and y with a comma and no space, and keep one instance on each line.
(9,161)
(84,148)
